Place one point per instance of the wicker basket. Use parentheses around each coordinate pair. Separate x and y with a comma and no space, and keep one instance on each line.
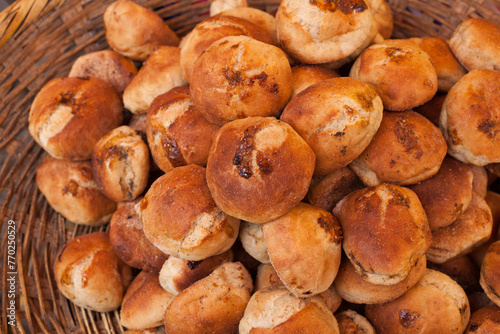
(39,40)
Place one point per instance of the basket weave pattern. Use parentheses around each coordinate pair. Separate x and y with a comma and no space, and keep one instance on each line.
(39,40)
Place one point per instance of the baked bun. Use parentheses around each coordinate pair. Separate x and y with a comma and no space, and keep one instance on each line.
(385,232)
(490,273)
(70,189)
(485,321)
(138,122)
(157,330)
(219,6)
(462,270)
(472,228)
(480,180)
(144,303)
(89,273)
(159,73)
(382,17)
(351,286)
(214,304)
(493,201)
(120,161)
(305,247)
(177,132)
(129,242)
(253,241)
(432,109)
(307,75)
(447,194)
(134,31)
(327,190)
(351,322)
(258,168)
(181,218)
(106,65)
(469,118)
(212,29)
(238,77)
(178,274)
(337,118)
(406,149)
(277,310)
(260,18)
(400,71)
(448,69)
(475,44)
(69,115)
(315,32)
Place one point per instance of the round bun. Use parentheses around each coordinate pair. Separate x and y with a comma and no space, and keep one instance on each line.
(462,270)
(305,247)
(260,18)
(337,118)
(436,304)
(382,17)
(252,240)
(469,118)
(69,115)
(134,31)
(315,32)
(181,218)
(385,232)
(485,321)
(238,77)
(214,304)
(277,310)
(400,71)
(480,180)
(259,168)
(351,322)
(475,44)
(177,132)
(157,330)
(406,149)
(129,242)
(307,75)
(218,6)
(178,274)
(159,73)
(70,189)
(490,273)
(144,303)
(89,273)
(120,161)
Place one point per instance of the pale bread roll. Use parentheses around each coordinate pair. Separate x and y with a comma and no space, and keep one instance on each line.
(382,17)
(253,241)
(219,6)
(351,322)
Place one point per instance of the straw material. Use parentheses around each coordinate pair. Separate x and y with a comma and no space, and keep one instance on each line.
(39,40)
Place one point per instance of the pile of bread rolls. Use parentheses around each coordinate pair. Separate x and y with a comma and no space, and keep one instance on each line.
(251,188)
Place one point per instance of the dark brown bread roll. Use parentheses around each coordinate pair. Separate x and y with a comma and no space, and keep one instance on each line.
(462,270)
(490,273)
(485,321)
(432,109)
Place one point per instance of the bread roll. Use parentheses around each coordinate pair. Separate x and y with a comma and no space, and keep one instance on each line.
(160,72)
(493,201)
(106,65)
(181,218)
(436,304)
(214,304)
(258,168)
(484,321)
(382,17)
(307,75)
(219,6)
(385,232)
(177,132)
(138,122)
(260,18)
(70,189)
(337,118)
(134,31)
(253,241)
(432,109)
(238,77)
(305,247)
(69,115)
(406,149)
(157,330)
(469,118)
(480,180)
(351,322)
(129,242)
(400,71)
(89,273)
(490,273)
(462,270)
(144,303)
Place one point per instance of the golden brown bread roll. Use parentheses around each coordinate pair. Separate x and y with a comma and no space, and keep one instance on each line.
(106,65)
(382,17)
(214,304)
(484,321)
(490,273)
(406,149)
(178,134)
(181,218)
(238,77)
(305,247)
(385,232)
(351,322)
(480,180)
(157,330)
(129,242)
(307,75)
(70,189)
(469,118)
(258,168)
(144,303)
(219,6)
(89,273)
(160,72)
(338,118)
(400,71)
(252,240)
(135,31)
(260,18)
(493,201)
(69,115)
